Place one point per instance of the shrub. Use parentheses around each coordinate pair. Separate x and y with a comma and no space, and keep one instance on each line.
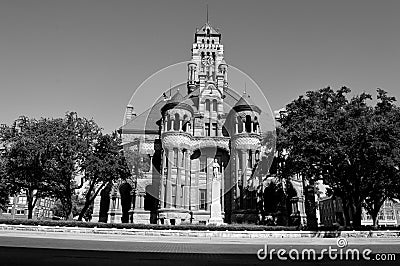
(194,227)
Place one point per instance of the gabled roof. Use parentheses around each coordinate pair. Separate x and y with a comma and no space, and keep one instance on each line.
(146,121)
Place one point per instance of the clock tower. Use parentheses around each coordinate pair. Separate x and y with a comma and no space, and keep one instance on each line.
(207,66)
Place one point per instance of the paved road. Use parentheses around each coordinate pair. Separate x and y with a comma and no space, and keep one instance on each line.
(20,248)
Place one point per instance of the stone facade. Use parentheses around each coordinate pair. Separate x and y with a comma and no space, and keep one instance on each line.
(181,136)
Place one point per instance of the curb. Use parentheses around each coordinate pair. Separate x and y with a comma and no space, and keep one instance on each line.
(190,233)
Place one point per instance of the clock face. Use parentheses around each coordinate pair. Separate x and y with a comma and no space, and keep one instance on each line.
(207,60)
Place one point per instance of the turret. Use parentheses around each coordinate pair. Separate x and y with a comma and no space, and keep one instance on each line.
(246,118)
(177,114)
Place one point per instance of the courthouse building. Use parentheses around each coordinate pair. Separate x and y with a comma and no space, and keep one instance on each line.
(179,138)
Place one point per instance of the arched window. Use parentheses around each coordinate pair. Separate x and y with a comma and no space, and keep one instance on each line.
(215,105)
(250,159)
(202,40)
(208,31)
(240,125)
(208,105)
(176,122)
(212,41)
(248,123)
(208,41)
(168,124)
(255,124)
(185,123)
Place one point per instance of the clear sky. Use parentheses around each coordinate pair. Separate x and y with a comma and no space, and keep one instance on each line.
(89,56)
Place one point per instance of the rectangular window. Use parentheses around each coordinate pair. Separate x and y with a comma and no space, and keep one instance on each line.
(207,129)
(21,200)
(173,195)
(203,164)
(215,129)
(203,199)
(250,160)
(183,158)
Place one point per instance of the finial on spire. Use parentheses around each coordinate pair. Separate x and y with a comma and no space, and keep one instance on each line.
(207,14)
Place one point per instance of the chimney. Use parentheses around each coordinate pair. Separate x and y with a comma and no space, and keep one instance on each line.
(129,113)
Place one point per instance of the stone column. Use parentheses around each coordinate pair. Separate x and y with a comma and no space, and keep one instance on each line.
(96,208)
(162,183)
(115,213)
(142,198)
(180,125)
(168,192)
(132,209)
(137,200)
(237,177)
(236,128)
(194,200)
(244,178)
(172,124)
(222,186)
(179,180)
(151,165)
(253,157)
(186,191)
(209,181)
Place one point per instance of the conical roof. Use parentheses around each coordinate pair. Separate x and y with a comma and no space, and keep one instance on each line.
(177,101)
(203,29)
(177,98)
(245,103)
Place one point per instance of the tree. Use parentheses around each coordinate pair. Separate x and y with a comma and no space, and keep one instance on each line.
(345,142)
(73,142)
(381,155)
(4,186)
(26,159)
(138,162)
(104,165)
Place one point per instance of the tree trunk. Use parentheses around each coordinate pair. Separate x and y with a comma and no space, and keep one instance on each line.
(30,209)
(346,212)
(357,215)
(89,200)
(29,200)
(84,209)
(374,216)
(67,206)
